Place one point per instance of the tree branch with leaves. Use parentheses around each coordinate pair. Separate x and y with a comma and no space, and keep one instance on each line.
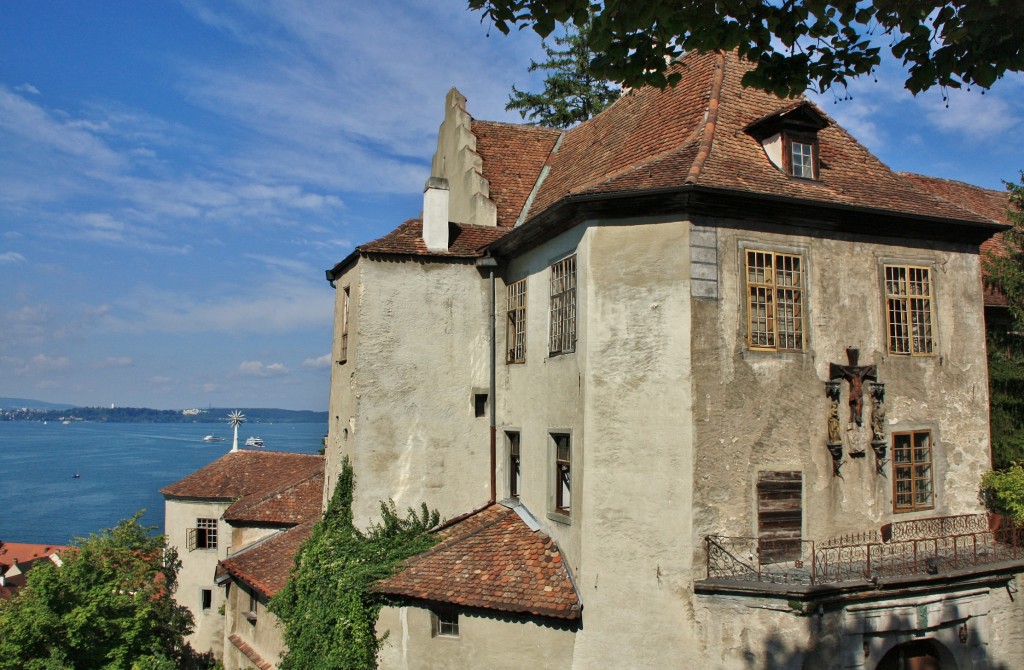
(793,44)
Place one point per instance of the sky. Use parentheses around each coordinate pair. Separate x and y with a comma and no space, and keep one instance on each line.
(175,178)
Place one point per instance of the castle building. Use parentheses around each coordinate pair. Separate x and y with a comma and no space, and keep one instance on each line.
(699,383)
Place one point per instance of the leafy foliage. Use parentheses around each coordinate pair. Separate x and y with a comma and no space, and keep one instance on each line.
(1005,272)
(1004,492)
(794,43)
(329,607)
(109,606)
(571,91)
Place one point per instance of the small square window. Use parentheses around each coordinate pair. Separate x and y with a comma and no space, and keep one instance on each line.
(444,622)
(207,599)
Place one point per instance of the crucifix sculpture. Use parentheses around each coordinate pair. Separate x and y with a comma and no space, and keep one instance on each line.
(855,375)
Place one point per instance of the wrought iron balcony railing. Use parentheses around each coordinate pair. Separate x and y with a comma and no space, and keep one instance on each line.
(901,549)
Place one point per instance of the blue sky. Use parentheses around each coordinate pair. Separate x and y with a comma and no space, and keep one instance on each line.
(175,177)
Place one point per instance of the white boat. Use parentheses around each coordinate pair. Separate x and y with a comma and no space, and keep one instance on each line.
(254,442)
(213,438)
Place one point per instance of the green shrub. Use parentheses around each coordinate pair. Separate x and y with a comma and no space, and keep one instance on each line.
(1003,491)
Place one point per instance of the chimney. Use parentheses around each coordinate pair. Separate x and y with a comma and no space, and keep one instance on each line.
(435,214)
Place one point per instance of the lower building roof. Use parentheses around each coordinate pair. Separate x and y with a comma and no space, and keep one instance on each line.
(491,559)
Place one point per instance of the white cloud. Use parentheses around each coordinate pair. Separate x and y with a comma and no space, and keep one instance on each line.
(11,257)
(971,115)
(320,362)
(41,363)
(160,379)
(258,369)
(27,88)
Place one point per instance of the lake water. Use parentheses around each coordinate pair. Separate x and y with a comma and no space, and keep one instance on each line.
(121,467)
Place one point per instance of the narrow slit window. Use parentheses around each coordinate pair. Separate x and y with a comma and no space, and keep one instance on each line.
(512,438)
(343,355)
(912,465)
(775,315)
(515,329)
(207,596)
(479,405)
(562,338)
(563,473)
(908,301)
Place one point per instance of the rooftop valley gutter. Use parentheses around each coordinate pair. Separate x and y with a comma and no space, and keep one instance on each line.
(490,263)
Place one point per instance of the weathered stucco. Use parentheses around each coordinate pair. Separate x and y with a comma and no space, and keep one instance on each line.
(757,411)
(484,641)
(264,634)
(405,394)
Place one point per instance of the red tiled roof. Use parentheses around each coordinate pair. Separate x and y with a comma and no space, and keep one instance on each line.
(295,503)
(694,133)
(491,560)
(987,202)
(513,156)
(250,653)
(22,552)
(265,565)
(465,241)
(265,486)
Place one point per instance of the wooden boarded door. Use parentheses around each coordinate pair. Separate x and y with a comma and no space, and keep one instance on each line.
(779,515)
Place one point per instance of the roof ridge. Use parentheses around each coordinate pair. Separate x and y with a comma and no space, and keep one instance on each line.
(711,121)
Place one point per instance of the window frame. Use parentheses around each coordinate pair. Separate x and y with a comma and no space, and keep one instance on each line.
(901,304)
(513,442)
(774,301)
(561,474)
(515,322)
(346,298)
(912,466)
(789,138)
(562,307)
(204,535)
(444,622)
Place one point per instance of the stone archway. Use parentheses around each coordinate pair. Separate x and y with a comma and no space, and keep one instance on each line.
(918,655)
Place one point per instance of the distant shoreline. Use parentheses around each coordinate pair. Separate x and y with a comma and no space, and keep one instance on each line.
(147,415)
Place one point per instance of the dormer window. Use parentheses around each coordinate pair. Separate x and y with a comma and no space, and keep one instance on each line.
(790,139)
(802,155)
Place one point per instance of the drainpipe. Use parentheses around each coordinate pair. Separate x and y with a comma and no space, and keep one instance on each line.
(490,263)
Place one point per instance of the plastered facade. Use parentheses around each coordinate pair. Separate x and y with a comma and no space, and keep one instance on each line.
(418,350)
(671,417)
(198,567)
(263,633)
(483,642)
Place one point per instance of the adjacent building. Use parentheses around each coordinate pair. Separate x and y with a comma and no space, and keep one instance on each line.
(230,511)
(700,382)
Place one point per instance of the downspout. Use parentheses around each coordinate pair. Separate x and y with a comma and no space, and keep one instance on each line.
(490,263)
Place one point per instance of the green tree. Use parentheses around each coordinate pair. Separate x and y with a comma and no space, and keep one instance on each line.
(571,91)
(329,607)
(108,606)
(1005,272)
(793,43)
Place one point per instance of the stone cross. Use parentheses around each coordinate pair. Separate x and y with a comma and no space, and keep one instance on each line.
(855,375)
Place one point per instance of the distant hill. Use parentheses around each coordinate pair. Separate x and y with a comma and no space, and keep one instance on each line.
(18,403)
(147,415)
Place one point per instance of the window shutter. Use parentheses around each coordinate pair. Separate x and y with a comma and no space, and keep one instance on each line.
(191,538)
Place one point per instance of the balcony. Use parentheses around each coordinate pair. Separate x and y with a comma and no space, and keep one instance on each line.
(938,548)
